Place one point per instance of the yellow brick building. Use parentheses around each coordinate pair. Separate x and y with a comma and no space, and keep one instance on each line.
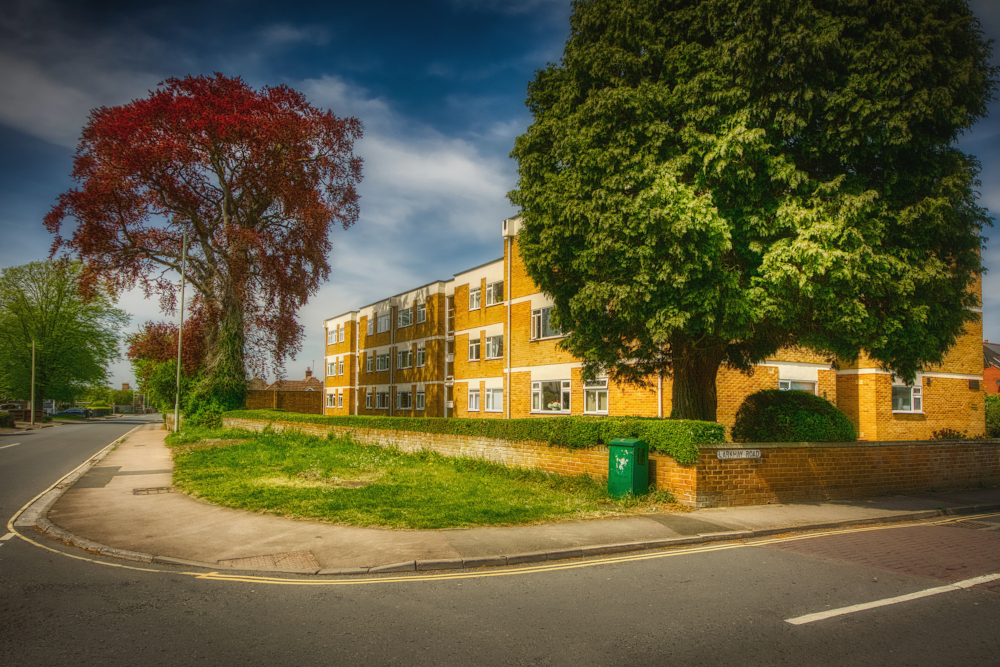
(481,346)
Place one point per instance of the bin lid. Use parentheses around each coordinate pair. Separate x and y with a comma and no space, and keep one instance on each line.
(634,443)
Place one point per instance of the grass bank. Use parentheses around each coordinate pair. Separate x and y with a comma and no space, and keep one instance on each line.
(336,480)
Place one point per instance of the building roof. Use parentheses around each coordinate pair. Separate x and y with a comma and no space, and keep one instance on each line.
(991,354)
(309,384)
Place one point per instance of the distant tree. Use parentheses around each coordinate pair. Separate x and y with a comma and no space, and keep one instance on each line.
(256,178)
(708,181)
(153,353)
(76,339)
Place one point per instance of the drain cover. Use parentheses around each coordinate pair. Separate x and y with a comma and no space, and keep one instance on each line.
(153,489)
(290,560)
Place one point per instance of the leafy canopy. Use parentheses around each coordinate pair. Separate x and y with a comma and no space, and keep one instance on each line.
(257,178)
(75,339)
(716,179)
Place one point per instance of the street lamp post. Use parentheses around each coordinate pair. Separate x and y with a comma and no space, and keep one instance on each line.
(32,406)
(180,335)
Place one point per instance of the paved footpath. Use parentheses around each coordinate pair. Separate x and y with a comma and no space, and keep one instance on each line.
(123,505)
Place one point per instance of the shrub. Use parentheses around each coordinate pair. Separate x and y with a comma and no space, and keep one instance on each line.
(677,437)
(950,434)
(6,420)
(790,416)
(208,415)
(993,415)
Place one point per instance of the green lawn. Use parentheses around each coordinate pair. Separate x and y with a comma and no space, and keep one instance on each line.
(335,480)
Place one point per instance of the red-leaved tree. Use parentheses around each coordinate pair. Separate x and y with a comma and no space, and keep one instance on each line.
(156,342)
(256,178)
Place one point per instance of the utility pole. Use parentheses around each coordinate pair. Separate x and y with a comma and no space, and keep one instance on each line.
(32,406)
(180,335)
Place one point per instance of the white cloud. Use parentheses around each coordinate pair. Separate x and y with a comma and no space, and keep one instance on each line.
(281,34)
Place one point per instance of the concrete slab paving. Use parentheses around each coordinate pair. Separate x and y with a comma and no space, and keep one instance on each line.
(121,503)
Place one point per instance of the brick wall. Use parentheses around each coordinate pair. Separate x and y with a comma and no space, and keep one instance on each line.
(793,472)
(305,402)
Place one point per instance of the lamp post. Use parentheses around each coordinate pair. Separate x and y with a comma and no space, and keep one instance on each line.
(180,335)
(32,406)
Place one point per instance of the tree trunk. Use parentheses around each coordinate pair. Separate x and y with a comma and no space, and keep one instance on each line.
(694,374)
(226,373)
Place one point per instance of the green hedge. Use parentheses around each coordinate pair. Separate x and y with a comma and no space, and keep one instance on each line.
(993,415)
(771,415)
(6,420)
(678,438)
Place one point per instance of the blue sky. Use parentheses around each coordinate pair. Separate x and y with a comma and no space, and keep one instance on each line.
(439,86)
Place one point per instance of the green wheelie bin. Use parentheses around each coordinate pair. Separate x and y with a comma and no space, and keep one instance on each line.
(628,467)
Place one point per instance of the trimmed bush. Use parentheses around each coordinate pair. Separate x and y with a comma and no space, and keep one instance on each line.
(676,437)
(790,416)
(6,420)
(993,415)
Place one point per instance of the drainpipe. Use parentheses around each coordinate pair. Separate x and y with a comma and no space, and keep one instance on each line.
(506,333)
(659,395)
(392,353)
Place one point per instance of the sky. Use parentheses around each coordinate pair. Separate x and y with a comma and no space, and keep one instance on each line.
(438,84)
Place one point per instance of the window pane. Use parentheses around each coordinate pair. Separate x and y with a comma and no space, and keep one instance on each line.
(901,398)
(551,395)
(590,401)
(602,401)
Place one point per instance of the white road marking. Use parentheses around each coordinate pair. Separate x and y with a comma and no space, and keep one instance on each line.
(7,537)
(14,445)
(957,586)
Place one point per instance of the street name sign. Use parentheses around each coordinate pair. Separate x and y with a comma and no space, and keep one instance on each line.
(739,454)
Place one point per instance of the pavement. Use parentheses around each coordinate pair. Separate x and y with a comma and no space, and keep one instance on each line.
(121,504)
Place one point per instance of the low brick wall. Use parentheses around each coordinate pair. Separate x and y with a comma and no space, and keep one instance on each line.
(303,402)
(785,472)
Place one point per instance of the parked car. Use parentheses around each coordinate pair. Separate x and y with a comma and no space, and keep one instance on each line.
(10,406)
(79,412)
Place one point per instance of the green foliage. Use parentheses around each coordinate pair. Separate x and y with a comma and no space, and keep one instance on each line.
(950,434)
(993,415)
(715,180)
(6,420)
(159,383)
(75,339)
(207,415)
(790,416)
(678,438)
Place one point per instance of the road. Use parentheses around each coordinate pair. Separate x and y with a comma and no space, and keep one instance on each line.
(716,604)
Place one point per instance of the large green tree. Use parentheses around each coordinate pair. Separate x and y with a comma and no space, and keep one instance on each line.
(75,339)
(707,181)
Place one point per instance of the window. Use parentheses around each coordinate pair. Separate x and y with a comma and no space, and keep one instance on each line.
(404,358)
(369,360)
(473,349)
(331,336)
(343,331)
(340,398)
(340,367)
(404,318)
(494,400)
(473,400)
(382,400)
(368,398)
(421,312)
(421,356)
(371,325)
(906,399)
(494,293)
(383,323)
(541,324)
(331,401)
(550,396)
(331,368)
(404,400)
(796,385)
(595,397)
(494,347)
(474,298)
(420,400)
(382,362)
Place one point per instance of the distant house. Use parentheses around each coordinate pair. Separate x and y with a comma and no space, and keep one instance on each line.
(256,384)
(309,384)
(991,367)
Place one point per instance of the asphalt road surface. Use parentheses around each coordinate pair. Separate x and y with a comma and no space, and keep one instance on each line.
(773,601)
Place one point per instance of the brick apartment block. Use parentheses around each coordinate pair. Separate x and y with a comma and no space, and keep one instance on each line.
(480,346)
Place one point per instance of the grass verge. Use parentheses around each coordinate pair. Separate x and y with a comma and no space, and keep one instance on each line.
(339,481)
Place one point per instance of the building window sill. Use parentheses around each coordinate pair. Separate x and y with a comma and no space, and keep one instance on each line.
(550,412)
(908,412)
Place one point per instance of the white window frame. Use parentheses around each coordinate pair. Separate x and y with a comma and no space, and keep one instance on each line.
(404,317)
(421,356)
(565,394)
(494,347)
(494,293)
(595,388)
(790,385)
(474,351)
(475,298)
(368,398)
(340,398)
(384,323)
(371,326)
(404,358)
(340,366)
(343,332)
(421,313)
(400,396)
(369,362)
(494,400)
(473,405)
(331,336)
(381,362)
(916,399)
(540,318)
(331,400)
(331,368)
(382,400)
(420,402)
